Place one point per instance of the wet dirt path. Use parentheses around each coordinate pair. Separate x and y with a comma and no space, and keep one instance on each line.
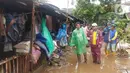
(109,64)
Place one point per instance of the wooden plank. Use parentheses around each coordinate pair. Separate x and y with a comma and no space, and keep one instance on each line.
(6,67)
(14,66)
(2,69)
(20,65)
(7,60)
(17,65)
(9,66)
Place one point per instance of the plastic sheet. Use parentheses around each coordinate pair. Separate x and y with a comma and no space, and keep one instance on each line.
(47,35)
(79,40)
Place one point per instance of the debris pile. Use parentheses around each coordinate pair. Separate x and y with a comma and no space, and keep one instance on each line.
(122,53)
(59,57)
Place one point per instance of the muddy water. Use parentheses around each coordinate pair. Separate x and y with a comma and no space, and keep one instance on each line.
(109,64)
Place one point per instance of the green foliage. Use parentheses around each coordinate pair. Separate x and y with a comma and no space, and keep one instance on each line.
(123,33)
(102,13)
(95,13)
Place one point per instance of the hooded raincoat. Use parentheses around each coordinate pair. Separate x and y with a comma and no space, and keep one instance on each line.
(79,40)
(62,35)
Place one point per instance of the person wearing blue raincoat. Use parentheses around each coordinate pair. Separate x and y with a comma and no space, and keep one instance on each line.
(112,40)
(62,35)
(105,35)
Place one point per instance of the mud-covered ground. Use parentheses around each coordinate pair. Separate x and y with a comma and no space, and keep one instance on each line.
(110,64)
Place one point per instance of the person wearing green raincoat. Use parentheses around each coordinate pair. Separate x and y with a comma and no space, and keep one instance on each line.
(79,40)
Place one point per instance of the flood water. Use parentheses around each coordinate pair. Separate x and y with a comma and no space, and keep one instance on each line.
(110,64)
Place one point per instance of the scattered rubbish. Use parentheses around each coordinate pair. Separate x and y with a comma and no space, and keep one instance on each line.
(58,58)
(123,45)
(122,53)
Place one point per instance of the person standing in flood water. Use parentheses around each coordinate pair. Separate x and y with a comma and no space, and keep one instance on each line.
(112,40)
(79,41)
(105,35)
(95,43)
(85,28)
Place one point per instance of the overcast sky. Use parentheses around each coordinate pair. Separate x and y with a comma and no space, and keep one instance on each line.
(62,3)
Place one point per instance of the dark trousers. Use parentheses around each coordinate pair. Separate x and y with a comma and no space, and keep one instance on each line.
(96,53)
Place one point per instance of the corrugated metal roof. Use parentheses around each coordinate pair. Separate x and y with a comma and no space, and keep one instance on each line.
(16,5)
(52,10)
(21,6)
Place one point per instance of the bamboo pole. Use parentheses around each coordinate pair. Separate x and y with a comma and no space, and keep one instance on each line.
(6,66)
(2,69)
(32,32)
(19,62)
(26,64)
(32,29)
(67,11)
(9,66)
(14,66)
(17,65)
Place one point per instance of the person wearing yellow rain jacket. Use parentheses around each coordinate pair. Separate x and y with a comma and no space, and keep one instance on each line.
(112,40)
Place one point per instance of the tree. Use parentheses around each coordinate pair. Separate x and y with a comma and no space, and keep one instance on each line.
(95,13)
(102,13)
